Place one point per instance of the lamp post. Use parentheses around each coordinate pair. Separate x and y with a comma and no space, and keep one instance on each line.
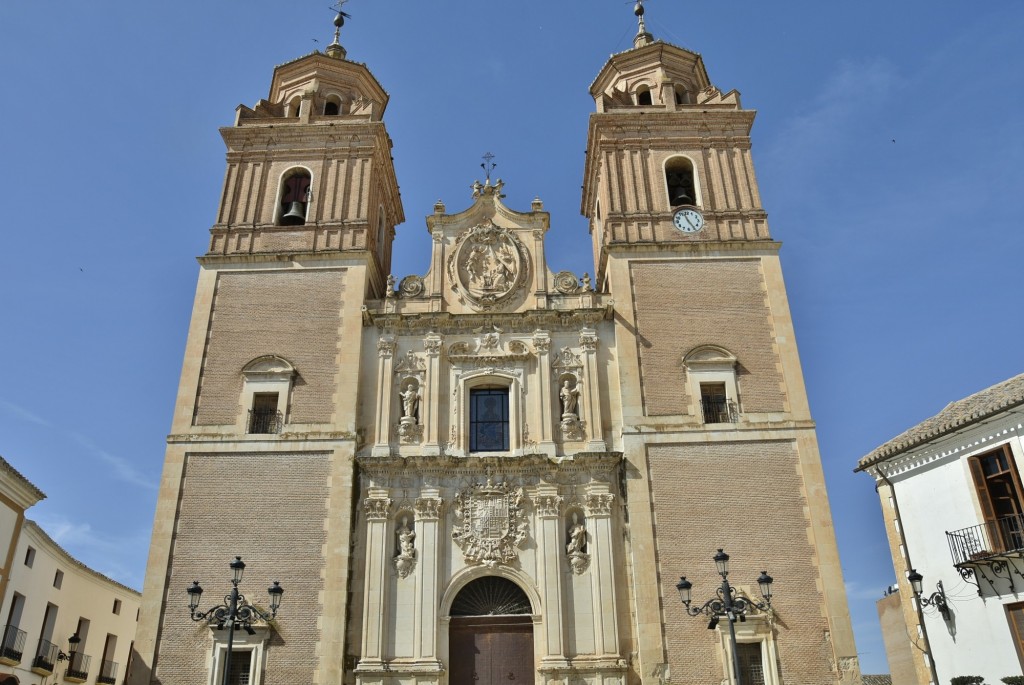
(727,603)
(235,611)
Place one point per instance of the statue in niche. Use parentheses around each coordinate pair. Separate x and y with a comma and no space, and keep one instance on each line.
(405,560)
(569,397)
(577,536)
(576,547)
(410,401)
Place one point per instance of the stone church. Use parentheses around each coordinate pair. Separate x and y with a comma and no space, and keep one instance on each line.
(494,472)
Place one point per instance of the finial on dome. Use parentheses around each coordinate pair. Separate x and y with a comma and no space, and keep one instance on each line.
(642,36)
(335,49)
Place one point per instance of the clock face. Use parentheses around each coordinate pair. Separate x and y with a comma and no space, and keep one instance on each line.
(688,220)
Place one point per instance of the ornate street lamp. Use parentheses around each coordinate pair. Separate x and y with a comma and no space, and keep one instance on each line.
(727,603)
(235,611)
(937,599)
(73,643)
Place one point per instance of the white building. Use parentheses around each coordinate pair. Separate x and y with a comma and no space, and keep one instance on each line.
(952,499)
(48,597)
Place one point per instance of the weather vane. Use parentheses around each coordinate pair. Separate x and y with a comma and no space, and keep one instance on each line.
(488,166)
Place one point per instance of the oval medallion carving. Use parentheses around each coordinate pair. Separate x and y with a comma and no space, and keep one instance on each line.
(488,266)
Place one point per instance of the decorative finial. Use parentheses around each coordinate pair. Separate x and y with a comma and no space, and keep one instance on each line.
(642,36)
(335,49)
(488,166)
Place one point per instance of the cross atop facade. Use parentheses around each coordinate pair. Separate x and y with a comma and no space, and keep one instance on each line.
(488,166)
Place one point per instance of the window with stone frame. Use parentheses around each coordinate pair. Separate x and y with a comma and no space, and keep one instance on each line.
(488,419)
(751,659)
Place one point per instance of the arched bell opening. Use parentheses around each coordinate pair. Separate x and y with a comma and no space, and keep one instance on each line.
(294,203)
(681,180)
(491,634)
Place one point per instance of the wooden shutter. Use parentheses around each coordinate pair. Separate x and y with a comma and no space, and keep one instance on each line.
(1015,615)
(981,485)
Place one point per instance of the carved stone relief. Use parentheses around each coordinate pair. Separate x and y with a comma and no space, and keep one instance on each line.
(490,522)
(411,286)
(409,373)
(488,266)
(600,505)
(376,508)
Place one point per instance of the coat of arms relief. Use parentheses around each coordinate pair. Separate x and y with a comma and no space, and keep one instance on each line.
(488,265)
(491,522)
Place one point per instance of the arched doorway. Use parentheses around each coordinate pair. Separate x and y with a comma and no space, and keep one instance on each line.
(491,634)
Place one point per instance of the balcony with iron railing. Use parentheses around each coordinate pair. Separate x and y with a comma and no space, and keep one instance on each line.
(13,646)
(108,673)
(265,421)
(78,668)
(45,658)
(988,550)
(718,410)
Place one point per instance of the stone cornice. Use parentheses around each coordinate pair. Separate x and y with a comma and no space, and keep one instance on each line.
(535,466)
(704,248)
(351,257)
(513,322)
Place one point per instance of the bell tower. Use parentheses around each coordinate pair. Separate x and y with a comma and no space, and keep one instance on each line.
(259,462)
(715,421)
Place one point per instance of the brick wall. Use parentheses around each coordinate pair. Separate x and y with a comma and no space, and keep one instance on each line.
(270,509)
(294,314)
(682,304)
(764,528)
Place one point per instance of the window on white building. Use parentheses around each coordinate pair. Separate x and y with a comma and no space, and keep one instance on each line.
(1000,496)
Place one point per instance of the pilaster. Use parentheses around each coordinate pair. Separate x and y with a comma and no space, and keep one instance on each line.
(428,512)
(599,529)
(385,356)
(376,508)
(431,417)
(550,563)
(542,345)
(588,343)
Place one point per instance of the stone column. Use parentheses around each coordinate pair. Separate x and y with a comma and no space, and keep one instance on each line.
(376,508)
(546,420)
(591,413)
(385,354)
(431,402)
(599,530)
(550,563)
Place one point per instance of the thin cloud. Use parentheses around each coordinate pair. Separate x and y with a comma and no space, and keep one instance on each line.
(121,467)
(96,550)
(810,139)
(23,414)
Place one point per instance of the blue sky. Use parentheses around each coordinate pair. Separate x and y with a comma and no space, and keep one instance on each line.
(887,145)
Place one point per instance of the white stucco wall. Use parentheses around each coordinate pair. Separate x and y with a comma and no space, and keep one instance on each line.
(935,494)
(83,594)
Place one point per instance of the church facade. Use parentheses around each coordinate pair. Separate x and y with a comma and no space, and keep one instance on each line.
(494,471)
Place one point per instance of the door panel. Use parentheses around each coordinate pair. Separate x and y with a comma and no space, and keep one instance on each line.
(491,651)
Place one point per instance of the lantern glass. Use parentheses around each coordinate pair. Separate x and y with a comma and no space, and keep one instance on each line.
(764,581)
(684,587)
(722,563)
(275,591)
(237,569)
(194,593)
(916,581)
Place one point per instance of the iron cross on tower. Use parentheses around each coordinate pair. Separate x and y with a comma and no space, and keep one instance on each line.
(488,166)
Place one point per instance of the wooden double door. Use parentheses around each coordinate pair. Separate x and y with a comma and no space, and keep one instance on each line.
(491,650)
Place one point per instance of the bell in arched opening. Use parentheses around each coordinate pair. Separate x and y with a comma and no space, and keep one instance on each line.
(680,181)
(295,200)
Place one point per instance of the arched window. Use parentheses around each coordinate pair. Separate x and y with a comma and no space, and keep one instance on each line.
(711,372)
(682,95)
(491,596)
(295,107)
(333,106)
(681,181)
(294,198)
(643,95)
